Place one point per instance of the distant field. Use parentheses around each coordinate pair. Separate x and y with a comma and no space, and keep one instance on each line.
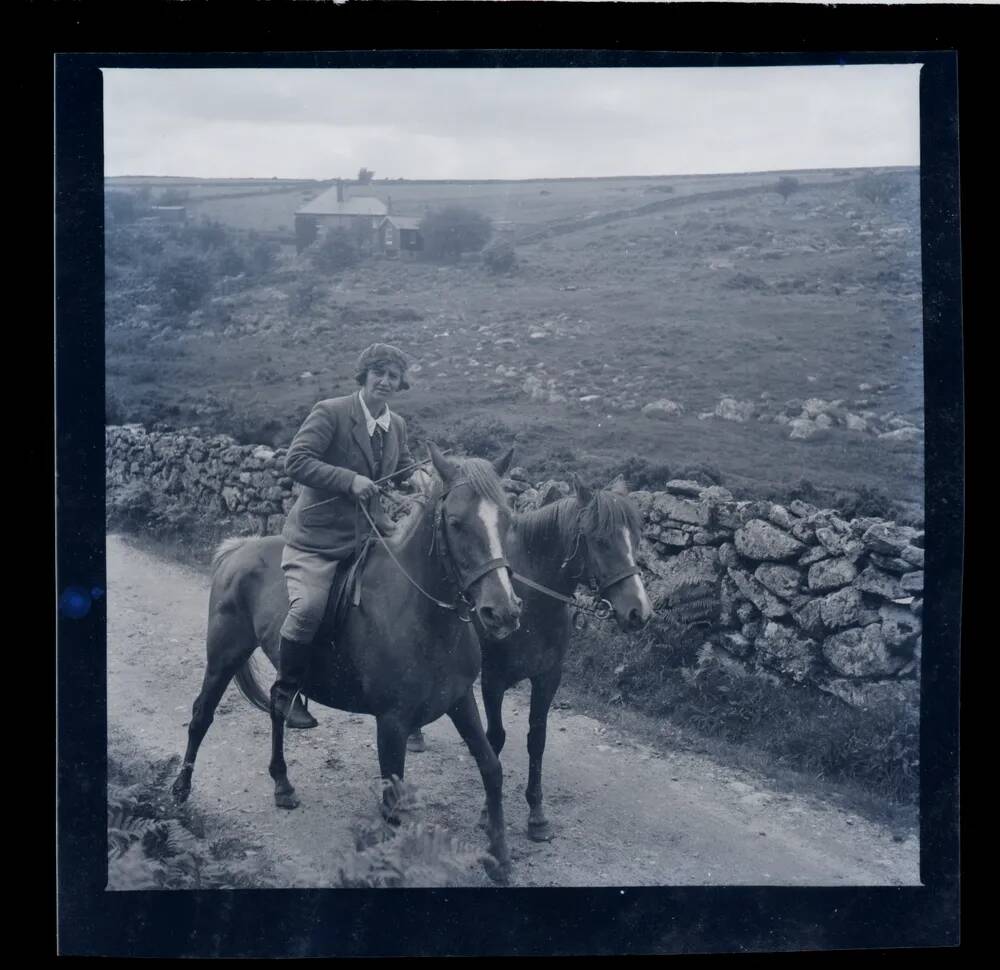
(749,296)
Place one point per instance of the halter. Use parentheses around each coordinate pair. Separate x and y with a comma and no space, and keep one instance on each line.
(596,584)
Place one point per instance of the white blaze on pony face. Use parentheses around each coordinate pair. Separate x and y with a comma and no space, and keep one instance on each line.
(647,610)
(489,515)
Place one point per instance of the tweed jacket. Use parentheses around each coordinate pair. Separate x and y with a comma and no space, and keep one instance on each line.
(330,449)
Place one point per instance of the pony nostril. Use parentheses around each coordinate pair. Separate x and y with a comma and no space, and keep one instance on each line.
(488,614)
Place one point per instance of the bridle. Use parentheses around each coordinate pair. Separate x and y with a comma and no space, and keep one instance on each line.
(461,579)
(588,575)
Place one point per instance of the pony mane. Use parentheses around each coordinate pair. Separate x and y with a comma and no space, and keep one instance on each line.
(606,513)
(550,523)
(225,549)
(485,482)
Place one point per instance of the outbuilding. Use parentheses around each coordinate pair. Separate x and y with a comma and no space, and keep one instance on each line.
(332,210)
(399,236)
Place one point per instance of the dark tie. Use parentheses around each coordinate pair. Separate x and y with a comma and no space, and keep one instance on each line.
(377,450)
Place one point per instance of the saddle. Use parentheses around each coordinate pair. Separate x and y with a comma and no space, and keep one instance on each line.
(345,594)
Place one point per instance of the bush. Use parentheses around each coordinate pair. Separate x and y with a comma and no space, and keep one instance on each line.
(786,185)
(184,281)
(641,473)
(482,437)
(454,230)
(879,189)
(263,256)
(499,256)
(336,251)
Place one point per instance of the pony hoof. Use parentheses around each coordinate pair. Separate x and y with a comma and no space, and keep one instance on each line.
(300,718)
(498,872)
(286,799)
(540,832)
(415,743)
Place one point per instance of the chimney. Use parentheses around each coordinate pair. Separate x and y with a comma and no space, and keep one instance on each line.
(340,190)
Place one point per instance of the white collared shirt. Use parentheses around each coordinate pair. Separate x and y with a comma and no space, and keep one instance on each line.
(383,421)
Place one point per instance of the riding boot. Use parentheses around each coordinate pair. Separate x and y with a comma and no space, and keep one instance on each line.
(300,717)
(293,659)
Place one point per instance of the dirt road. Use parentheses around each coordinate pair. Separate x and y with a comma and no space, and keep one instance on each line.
(624,814)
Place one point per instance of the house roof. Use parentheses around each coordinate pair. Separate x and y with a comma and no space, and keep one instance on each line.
(326,204)
(402,222)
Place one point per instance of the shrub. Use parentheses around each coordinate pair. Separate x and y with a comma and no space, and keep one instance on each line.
(641,473)
(453,230)
(701,472)
(263,256)
(482,437)
(209,234)
(879,189)
(184,281)
(499,256)
(786,185)
(336,251)
(232,262)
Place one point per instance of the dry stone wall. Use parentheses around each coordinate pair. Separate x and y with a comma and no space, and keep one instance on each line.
(804,596)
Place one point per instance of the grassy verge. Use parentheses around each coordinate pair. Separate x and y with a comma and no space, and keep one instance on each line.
(804,740)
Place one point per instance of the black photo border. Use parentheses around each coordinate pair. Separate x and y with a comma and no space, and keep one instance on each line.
(328,923)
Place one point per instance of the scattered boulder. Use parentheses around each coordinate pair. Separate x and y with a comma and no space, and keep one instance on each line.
(662,409)
(729,409)
(875,695)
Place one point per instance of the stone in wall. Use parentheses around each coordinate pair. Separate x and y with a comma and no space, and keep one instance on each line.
(812,555)
(874,580)
(889,539)
(680,510)
(861,653)
(845,608)
(913,555)
(913,582)
(762,541)
(781,517)
(809,618)
(784,650)
(761,597)
(891,564)
(783,581)
(900,626)
(728,555)
(679,486)
(830,574)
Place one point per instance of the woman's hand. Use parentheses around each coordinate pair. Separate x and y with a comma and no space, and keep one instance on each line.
(363,488)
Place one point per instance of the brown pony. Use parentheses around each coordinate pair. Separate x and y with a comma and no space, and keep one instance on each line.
(407,654)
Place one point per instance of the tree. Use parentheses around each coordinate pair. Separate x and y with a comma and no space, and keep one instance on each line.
(365,176)
(454,230)
(786,185)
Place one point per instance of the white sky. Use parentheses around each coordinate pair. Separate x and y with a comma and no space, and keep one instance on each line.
(507,123)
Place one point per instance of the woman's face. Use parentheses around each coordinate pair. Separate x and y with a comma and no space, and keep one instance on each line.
(381,383)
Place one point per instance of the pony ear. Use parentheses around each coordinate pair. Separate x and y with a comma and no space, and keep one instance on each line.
(618,486)
(442,465)
(583,494)
(502,464)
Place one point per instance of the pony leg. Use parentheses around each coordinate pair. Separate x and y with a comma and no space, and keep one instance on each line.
(391,735)
(284,792)
(465,716)
(230,642)
(493,692)
(543,689)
